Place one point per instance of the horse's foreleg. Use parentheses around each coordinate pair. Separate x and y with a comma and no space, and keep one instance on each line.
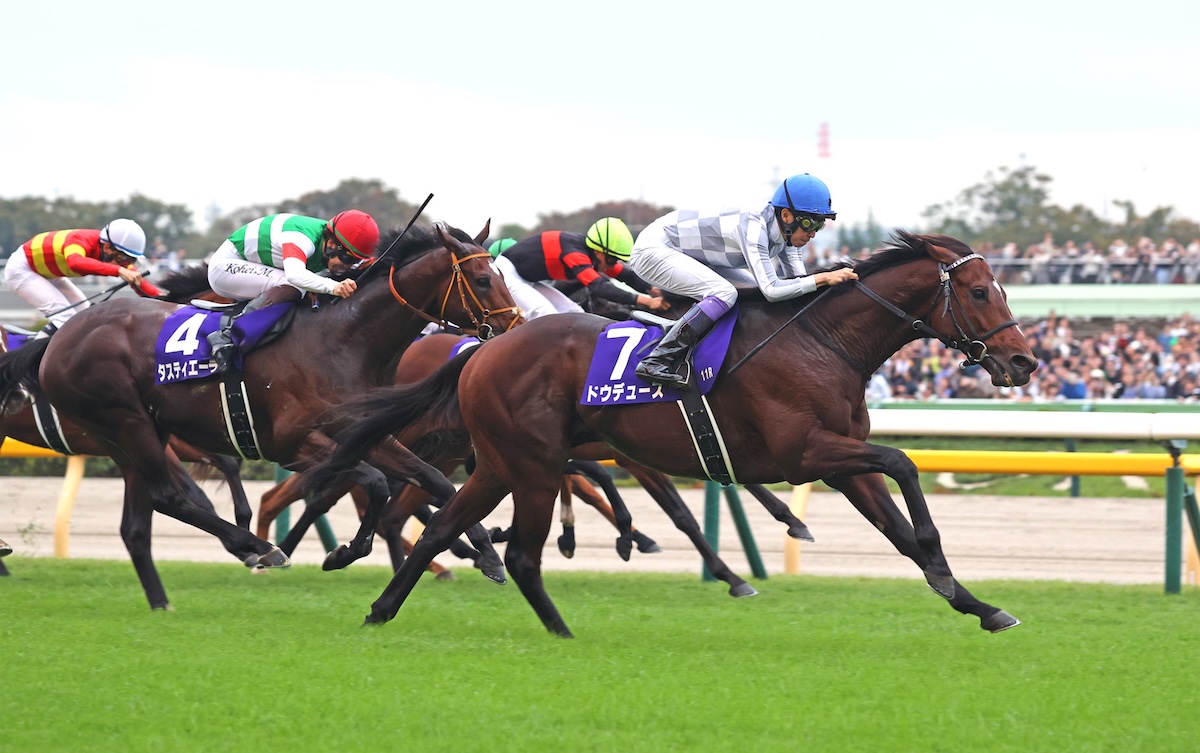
(400,463)
(274,501)
(136,517)
(458,547)
(469,506)
(870,496)
(231,469)
(566,516)
(375,485)
(614,508)
(780,511)
(663,491)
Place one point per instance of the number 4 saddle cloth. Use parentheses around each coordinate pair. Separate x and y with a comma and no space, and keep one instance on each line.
(182,350)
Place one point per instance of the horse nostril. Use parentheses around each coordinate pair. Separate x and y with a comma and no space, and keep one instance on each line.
(1025,364)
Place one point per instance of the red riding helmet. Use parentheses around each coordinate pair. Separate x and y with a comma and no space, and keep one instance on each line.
(356,231)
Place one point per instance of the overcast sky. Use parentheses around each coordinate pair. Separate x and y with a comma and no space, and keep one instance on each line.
(505,110)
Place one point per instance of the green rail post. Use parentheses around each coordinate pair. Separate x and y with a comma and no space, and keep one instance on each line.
(1174,544)
(1193,514)
(283,521)
(324,529)
(712,522)
(744,532)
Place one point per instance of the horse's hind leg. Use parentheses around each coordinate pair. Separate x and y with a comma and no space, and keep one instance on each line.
(231,469)
(466,508)
(663,491)
(274,501)
(533,512)
(780,511)
(568,485)
(136,519)
(870,496)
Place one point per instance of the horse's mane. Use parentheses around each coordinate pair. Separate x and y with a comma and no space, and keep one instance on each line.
(418,241)
(905,247)
(186,284)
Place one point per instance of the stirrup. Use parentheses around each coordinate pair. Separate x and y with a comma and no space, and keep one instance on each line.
(222,357)
(668,375)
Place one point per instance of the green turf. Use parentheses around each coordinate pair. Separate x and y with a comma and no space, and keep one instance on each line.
(660,663)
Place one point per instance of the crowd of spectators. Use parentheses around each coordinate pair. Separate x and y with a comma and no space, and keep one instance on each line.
(1045,263)
(1117,362)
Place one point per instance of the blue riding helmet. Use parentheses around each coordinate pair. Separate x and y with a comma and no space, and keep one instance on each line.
(806,194)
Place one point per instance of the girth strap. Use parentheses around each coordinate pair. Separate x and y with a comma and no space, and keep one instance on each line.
(239,422)
(48,426)
(706,437)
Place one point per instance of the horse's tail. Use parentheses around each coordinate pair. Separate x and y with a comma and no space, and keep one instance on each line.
(19,368)
(432,402)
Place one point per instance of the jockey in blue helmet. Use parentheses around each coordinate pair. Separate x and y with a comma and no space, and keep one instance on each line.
(702,255)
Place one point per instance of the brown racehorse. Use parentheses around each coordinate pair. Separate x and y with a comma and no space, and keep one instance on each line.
(797,411)
(420,360)
(22,425)
(99,371)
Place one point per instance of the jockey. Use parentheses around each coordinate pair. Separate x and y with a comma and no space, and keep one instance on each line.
(531,263)
(702,256)
(498,247)
(275,259)
(38,270)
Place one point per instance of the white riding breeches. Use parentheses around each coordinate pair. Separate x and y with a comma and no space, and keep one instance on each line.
(679,273)
(47,295)
(232,276)
(534,298)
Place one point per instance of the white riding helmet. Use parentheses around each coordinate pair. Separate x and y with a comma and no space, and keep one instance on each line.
(126,236)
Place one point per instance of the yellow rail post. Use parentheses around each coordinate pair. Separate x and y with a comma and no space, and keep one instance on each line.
(66,505)
(791,547)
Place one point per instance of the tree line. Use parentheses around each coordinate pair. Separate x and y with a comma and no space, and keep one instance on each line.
(1009,205)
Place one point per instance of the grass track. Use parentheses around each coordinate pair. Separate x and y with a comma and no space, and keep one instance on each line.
(660,663)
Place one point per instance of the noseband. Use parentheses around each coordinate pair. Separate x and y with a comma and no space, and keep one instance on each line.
(972,345)
(458,279)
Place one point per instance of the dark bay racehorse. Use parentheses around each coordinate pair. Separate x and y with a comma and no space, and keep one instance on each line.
(99,371)
(795,412)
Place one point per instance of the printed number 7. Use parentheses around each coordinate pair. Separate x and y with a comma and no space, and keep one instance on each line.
(632,336)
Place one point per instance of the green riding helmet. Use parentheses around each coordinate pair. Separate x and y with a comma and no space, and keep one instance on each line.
(611,236)
(500,246)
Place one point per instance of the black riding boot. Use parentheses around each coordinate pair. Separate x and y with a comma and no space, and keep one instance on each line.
(221,339)
(667,363)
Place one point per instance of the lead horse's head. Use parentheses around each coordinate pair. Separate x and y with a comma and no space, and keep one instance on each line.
(472,293)
(967,309)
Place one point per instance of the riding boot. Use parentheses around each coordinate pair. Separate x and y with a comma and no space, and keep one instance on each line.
(221,339)
(668,362)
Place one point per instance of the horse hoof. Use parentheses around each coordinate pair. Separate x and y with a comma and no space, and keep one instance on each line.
(566,545)
(498,536)
(446,575)
(999,622)
(942,585)
(624,547)
(338,559)
(163,608)
(646,545)
(742,590)
(273,558)
(800,532)
(5,549)
(492,568)
(374,619)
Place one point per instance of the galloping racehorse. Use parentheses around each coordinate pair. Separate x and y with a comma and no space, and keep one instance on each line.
(796,412)
(99,370)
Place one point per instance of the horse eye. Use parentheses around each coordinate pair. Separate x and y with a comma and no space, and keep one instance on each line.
(483,282)
(979,294)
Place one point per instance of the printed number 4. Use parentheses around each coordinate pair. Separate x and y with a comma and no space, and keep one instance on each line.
(632,336)
(185,338)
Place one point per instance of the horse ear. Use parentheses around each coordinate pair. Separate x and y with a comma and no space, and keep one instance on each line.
(440,227)
(483,234)
(941,253)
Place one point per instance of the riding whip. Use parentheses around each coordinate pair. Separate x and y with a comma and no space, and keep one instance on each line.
(107,293)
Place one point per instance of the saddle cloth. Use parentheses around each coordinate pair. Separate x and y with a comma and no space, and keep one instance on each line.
(622,345)
(182,350)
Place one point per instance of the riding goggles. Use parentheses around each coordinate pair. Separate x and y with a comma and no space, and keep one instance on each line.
(810,224)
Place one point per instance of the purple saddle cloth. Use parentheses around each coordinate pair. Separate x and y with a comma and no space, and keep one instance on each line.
(621,346)
(182,350)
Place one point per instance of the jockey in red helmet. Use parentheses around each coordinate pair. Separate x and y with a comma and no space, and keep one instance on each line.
(277,258)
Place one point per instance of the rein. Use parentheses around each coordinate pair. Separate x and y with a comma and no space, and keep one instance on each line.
(482,330)
(973,346)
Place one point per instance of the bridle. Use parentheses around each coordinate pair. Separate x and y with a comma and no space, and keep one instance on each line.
(973,345)
(968,341)
(458,279)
